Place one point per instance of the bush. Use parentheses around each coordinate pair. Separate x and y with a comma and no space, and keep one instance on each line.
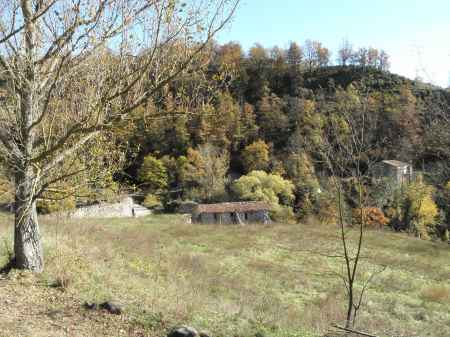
(372,217)
(282,213)
(45,206)
(152,201)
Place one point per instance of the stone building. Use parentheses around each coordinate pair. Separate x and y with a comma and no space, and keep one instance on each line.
(399,172)
(232,213)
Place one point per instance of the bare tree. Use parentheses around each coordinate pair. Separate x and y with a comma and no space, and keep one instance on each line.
(316,55)
(345,53)
(74,68)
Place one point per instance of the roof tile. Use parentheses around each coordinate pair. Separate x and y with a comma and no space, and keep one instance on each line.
(228,207)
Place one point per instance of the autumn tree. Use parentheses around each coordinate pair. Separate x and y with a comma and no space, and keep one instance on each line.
(256,156)
(73,69)
(301,172)
(272,118)
(294,55)
(257,70)
(153,174)
(262,186)
(345,53)
(316,55)
(205,173)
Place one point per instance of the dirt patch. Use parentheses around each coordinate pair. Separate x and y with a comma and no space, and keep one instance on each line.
(30,308)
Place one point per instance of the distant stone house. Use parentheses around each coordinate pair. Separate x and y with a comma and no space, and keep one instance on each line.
(232,213)
(399,172)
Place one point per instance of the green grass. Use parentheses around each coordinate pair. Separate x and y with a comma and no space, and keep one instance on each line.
(229,280)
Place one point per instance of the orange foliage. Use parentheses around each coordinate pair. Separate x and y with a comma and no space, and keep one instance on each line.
(373,217)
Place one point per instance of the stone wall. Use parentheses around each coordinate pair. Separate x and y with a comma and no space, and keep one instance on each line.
(123,209)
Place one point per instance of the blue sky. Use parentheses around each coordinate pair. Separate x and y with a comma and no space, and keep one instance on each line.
(416,33)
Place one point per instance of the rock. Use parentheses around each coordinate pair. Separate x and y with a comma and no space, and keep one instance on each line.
(108,306)
(111,308)
(90,306)
(204,334)
(183,331)
(421,316)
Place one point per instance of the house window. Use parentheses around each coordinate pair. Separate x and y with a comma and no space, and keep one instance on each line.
(215,216)
(246,216)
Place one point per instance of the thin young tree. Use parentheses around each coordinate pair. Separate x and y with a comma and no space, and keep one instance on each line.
(71,70)
(345,153)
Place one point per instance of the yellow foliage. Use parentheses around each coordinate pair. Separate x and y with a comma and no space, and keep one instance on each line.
(152,201)
(427,211)
(46,206)
(421,208)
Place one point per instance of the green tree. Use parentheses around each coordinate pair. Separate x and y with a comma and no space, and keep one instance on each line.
(153,174)
(261,186)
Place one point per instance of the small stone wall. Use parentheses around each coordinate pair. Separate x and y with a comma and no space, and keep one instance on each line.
(123,209)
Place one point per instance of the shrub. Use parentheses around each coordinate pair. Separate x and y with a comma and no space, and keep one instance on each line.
(436,293)
(45,206)
(372,217)
(152,201)
(280,213)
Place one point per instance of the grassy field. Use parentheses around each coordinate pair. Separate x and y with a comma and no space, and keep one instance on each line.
(232,281)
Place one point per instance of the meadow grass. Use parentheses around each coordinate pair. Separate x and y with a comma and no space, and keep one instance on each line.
(234,281)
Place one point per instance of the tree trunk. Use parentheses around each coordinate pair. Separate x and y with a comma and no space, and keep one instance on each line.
(28,252)
(349,319)
(27,238)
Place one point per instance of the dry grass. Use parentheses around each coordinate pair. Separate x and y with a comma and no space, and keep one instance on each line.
(436,293)
(233,281)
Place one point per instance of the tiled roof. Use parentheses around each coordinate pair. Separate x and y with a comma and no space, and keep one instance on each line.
(229,207)
(395,163)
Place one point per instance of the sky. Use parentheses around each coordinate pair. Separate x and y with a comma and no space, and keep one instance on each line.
(415,33)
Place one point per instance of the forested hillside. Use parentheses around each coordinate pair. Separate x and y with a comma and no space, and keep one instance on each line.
(272,111)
